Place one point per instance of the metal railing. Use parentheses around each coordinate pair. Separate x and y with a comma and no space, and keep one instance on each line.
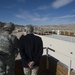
(47,61)
(47,48)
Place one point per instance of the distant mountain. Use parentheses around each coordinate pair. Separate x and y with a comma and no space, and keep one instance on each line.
(48,27)
(60,27)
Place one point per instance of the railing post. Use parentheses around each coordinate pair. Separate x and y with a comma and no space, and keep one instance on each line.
(69,67)
(47,62)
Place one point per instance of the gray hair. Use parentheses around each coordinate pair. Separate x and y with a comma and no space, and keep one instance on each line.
(29,28)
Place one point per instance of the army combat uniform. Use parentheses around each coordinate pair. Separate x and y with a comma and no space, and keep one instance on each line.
(8,49)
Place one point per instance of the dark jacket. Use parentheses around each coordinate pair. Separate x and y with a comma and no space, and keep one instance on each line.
(31,49)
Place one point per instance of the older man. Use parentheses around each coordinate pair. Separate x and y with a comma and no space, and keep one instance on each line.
(31,49)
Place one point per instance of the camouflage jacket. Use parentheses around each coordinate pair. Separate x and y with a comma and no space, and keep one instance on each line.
(8,43)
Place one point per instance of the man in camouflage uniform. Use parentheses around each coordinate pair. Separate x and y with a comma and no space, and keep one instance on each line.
(8,48)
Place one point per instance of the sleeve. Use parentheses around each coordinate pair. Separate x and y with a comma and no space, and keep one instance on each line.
(40,51)
(23,56)
(21,42)
(15,43)
(22,51)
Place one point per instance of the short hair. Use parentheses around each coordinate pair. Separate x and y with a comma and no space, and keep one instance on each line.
(29,28)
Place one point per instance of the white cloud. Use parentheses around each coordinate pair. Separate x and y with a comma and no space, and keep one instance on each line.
(32,17)
(37,18)
(67,19)
(73,10)
(67,16)
(43,7)
(60,3)
(20,16)
(57,4)
(57,21)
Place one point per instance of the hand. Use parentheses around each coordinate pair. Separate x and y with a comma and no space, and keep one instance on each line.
(30,64)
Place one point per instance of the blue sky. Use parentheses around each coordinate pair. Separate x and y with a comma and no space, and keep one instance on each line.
(38,12)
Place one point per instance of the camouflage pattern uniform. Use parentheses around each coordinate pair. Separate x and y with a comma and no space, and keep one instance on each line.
(8,48)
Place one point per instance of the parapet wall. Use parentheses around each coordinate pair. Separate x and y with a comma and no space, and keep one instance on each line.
(55,67)
(64,50)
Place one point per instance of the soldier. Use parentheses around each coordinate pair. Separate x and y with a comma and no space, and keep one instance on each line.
(8,49)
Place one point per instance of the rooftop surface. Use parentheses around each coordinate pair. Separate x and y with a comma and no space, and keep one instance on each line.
(62,37)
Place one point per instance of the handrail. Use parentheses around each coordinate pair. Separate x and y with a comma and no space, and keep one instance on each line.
(47,65)
(58,52)
(49,49)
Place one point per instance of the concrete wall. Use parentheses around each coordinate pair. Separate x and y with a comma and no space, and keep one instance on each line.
(64,51)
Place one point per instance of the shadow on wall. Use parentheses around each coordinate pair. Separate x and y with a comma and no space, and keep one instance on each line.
(52,66)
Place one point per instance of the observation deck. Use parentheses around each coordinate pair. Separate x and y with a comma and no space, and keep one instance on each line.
(58,56)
